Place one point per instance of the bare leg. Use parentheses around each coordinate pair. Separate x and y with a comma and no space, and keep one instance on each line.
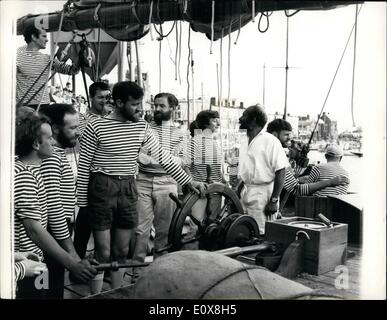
(120,250)
(102,255)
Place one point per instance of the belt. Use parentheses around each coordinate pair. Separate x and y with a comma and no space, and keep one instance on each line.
(116,177)
(154,174)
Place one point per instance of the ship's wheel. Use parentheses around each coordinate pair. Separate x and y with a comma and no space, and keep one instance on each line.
(213,223)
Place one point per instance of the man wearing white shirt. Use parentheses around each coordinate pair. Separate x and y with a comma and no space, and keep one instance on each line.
(261,168)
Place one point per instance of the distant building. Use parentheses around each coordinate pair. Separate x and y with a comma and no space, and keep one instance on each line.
(327,128)
(229,111)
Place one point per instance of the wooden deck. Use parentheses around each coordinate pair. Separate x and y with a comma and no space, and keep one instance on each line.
(324,284)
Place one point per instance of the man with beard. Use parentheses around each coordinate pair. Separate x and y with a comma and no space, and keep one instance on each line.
(261,167)
(106,175)
(282,130)
(34,209)
(154,184)
(60,187)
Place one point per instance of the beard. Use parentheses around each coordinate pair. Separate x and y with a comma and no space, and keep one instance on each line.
(130,116)
(65,141)
(159,117)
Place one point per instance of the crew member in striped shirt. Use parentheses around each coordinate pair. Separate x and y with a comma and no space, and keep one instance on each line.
(32,69)
(106,182)
(99,93)
(28,264)
(154,184)
(323,172)
(282,130)
(59,182)
(33,143)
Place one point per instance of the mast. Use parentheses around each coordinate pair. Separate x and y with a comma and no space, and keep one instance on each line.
(286,68)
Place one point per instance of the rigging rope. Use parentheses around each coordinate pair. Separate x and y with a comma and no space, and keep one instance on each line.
(160,66)
(292,14)
(212,24)
(180,35)
(239,29)
(229,63)
(353,68)
(221,68)
(176,50)
(52,57)
(150,19)
(267,15)
(334,77)
(253,11)
(188,65)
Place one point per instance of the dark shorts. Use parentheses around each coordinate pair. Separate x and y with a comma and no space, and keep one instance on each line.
(112,202)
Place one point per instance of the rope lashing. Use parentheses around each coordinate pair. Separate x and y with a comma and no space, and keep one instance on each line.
(212,24)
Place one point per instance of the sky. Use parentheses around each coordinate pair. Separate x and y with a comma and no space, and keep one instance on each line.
(316,43)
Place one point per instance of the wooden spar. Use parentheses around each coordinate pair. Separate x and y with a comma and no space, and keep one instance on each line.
(139,75)
(120,67)
(124,14)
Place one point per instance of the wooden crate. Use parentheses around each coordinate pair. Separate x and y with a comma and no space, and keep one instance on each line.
(326,249)
(344,209)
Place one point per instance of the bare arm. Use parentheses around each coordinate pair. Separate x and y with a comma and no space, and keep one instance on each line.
(47,243)
(272,207)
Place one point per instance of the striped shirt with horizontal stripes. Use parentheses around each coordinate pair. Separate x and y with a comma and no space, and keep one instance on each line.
(60,188)
(84,119)
(20,271)
(30,201)
(206,156)
(29,65)
(171,139)
(325,172)
(111,147)
(292,185)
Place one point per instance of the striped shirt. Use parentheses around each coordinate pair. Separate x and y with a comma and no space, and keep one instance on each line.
(325,172)
(29,65)
(171,139)
(206,156)
(60,188)
(84,119)
(30,202)
(111,147)
(20,271)
(292,185)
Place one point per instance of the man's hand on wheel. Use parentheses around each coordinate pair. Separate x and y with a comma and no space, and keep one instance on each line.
(197,187)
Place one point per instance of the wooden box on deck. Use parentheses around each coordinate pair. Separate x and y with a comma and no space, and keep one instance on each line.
(326,249)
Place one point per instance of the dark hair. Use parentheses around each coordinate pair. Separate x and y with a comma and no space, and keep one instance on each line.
(28,130)
(125,89)
(56,112)
(94,87)
(192,127)
(29,31)
(203,118)
(278,125)
(172,100)
(259,115)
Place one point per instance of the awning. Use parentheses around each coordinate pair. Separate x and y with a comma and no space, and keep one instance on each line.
(129,20)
